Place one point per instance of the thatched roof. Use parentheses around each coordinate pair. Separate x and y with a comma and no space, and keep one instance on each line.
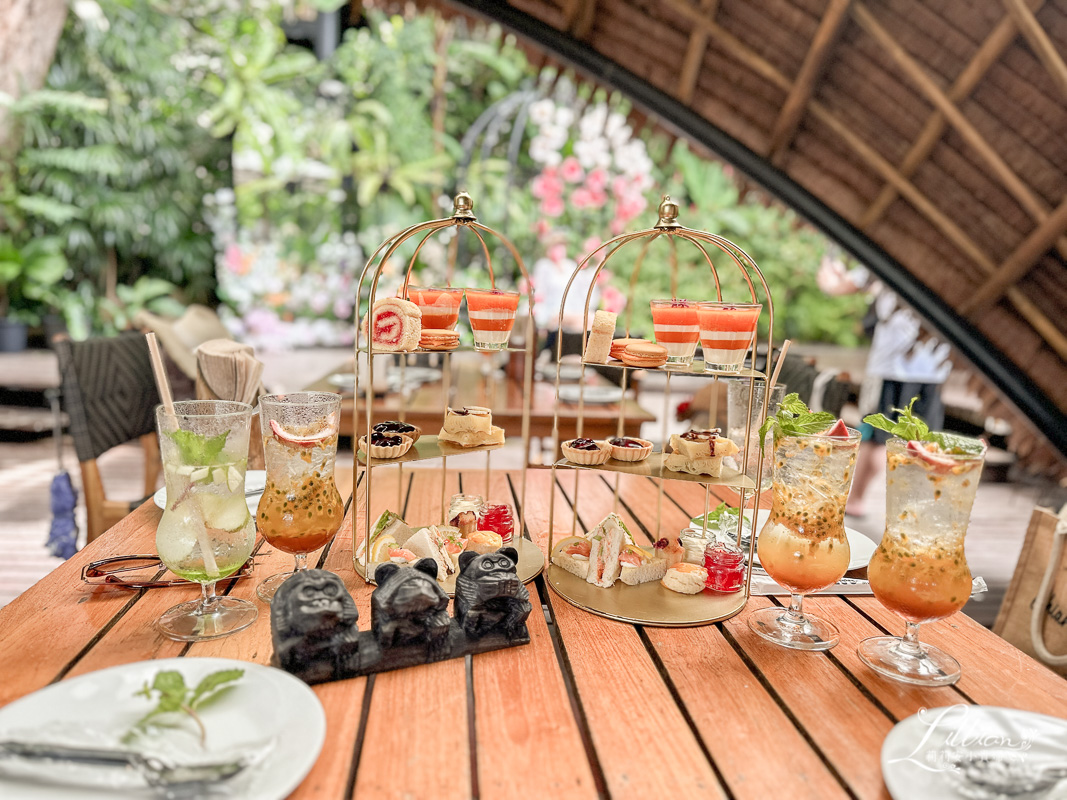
(928,136)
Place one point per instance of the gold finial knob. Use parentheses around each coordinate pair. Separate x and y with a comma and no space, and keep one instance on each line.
(463,206)
(668,213)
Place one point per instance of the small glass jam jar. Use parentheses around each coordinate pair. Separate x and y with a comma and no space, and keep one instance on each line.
(465,502)
(725,564)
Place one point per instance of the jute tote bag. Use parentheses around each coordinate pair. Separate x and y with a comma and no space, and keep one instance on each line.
(1033,616)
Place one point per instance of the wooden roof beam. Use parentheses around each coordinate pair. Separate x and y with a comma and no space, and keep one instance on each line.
(1002,36)
(822,43)
(1038,39)
(694,54)
(1019,262)
(580,15)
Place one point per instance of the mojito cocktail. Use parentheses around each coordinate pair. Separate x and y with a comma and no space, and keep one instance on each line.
(803,545)
(301,509)
(206,532)
(919,570)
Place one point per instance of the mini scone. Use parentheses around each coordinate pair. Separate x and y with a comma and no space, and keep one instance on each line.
(618,345)
(685,578)
(483,542)
(393,427)
(383,445)
(438,339)
(598,346)
(626,448)
(644,354)
(586,451)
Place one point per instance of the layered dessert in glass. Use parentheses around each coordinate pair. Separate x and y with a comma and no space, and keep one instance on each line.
(726,333)
(492,316)
(678,329)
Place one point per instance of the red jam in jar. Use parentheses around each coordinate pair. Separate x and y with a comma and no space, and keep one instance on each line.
(725,564)
(498,519)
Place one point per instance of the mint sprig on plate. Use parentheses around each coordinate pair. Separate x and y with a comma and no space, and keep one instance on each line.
(912,428)
(794,418)
(176,697)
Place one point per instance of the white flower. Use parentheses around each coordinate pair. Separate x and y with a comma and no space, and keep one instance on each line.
(615,122)
(225,197)
(331,88)
(542,112)
(336,195)
(592,153)
(554,136)
(620,136)
(592,122)
(564,117)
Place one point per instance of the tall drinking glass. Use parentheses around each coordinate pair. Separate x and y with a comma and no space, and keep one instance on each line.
(301,509)
(919,570)
(206,532)
(740,415)
(803,544)
(726,333)
(677,329)
(492,316)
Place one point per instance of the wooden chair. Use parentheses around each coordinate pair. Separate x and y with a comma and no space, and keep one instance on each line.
(110,396)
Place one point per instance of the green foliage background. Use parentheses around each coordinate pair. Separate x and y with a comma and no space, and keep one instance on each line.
(141,114)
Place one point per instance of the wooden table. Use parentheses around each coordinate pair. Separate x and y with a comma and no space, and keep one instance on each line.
(425,406)
(590,708)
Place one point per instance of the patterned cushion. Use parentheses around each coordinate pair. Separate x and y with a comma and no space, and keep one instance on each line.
(108,390)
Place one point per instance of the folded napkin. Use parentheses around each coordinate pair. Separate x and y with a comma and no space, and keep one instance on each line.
(229,370)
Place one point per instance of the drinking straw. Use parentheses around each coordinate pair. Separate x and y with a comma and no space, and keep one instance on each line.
(163,385)
(777,368)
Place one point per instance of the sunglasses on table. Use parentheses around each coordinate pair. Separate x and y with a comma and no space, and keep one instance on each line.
(121,572)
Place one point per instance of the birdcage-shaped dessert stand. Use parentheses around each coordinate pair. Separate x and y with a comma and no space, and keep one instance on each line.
(531,560)
(651,603)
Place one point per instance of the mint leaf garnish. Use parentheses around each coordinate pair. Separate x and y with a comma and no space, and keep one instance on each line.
(197,450)
(912,428)
(175,696)
(794,418)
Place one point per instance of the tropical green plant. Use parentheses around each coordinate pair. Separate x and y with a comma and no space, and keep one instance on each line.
(113,163)
(28,275)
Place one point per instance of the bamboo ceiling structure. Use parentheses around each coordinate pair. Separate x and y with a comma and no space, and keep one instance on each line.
(928,137)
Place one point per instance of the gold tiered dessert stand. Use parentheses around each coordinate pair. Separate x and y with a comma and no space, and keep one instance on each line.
(531,559)
(651,603)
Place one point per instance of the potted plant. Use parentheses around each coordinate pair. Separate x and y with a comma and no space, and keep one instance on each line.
(28,276)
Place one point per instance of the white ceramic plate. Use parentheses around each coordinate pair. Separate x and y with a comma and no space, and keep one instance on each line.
(266,705)
(593,394)
(860,547)
(918,752)
(342,380)
(255,482)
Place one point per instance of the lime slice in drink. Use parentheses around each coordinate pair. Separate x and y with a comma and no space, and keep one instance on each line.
(225,513)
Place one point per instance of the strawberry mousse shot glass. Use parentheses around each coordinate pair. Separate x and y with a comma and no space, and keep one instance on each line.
(726,333)
(678,329)
(440,306)
(492,315)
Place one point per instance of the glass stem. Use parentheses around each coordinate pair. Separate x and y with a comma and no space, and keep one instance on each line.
(794,613)
(910,643)
(301,562)
(207,595)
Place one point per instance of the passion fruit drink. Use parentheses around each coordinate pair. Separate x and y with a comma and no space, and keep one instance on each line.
(803,545)
(206,532)
(919,570)
(301,509)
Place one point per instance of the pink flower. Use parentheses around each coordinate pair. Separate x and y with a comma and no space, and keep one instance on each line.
(617,226)
(597,198)
(342,308)
(552,206)
(235,262)
(557,253)
(597,179)
(581,198)
(542,228)
(612,299)
(620,186)
(544,186)
(591,244)
(571,170)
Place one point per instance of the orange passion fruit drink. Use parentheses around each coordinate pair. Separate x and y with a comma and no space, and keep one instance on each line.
(301,509)
(919,570)
(803,545)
